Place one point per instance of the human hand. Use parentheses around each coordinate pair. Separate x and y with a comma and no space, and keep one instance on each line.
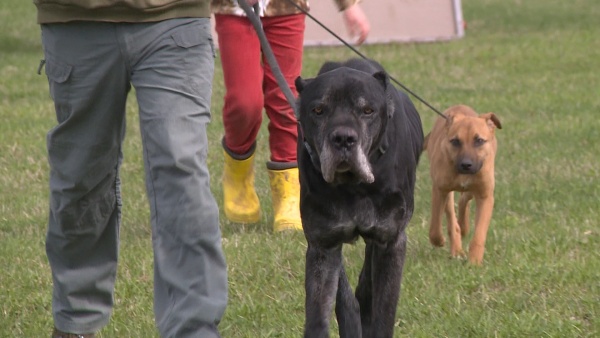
(356,23)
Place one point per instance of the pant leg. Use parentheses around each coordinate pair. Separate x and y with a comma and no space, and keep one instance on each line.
(88,83)
(240,53)
(173,65)
(286,37)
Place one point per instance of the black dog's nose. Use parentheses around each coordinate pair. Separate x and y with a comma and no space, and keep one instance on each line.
(344,138)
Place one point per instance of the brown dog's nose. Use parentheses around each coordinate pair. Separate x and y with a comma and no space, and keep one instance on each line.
(344,138)
(467,166)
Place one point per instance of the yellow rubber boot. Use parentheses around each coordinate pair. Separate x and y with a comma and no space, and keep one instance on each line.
(240,201)
(285,193)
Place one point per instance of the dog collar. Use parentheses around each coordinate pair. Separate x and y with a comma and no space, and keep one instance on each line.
(311,153)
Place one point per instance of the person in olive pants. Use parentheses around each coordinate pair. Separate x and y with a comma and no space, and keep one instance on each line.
(91,64)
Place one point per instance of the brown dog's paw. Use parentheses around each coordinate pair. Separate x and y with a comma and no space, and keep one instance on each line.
(476,261)
(458,253)
(437,240)
(461,258)
(476,254)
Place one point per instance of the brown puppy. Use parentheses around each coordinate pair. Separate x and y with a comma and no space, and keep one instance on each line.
(461,151)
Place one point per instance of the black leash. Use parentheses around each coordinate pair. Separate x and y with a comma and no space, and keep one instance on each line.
(364,57)
(266,48)
(253,16)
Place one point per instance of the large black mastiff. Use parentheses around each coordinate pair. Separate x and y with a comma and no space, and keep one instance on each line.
(358,147)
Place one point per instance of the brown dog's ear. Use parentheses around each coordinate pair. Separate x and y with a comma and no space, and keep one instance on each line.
(425,141)
(300,83)
(449,120)
(453,114)
(492,120)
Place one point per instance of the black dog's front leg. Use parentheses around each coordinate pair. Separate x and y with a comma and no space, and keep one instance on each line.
(379,287)
(364,291)
(347,310)
(321,282)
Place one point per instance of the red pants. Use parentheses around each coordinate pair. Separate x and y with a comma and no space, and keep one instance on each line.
(251,86)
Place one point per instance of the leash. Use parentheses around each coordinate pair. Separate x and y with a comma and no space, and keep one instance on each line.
(252,14)
(364,57)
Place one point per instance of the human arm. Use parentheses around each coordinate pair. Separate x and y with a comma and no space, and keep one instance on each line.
(356,23)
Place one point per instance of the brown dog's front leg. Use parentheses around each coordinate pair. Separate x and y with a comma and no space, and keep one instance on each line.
(453,228)
(321,282)
(485,206)
(438,203)
(463,212)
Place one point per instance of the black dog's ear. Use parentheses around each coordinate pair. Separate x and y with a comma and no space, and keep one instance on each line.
(300,83)
(329,65)
(384,79)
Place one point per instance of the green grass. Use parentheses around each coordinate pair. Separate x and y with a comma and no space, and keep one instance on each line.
(535,63)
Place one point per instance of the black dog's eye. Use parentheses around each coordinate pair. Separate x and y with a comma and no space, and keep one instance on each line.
(318,110)
(479,141)
(455,142)
(368,111)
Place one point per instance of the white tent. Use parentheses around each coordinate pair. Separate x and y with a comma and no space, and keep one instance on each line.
(390,20)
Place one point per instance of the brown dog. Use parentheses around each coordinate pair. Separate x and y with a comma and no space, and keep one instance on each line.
(461,151)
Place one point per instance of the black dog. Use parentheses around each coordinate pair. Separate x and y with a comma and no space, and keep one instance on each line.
(358,147)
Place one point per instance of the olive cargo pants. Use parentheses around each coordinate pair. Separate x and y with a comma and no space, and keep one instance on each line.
(90,68)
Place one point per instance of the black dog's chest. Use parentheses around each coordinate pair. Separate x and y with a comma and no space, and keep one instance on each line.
(361,214)
(345,218)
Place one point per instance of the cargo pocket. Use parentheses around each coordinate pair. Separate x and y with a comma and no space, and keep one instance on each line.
(91,213)
(58,79)
(195,52)
(192,36)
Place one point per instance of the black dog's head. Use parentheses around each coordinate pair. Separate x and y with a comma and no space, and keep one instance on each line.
(343,113)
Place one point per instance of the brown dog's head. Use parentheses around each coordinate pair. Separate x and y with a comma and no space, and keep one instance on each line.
(470,138)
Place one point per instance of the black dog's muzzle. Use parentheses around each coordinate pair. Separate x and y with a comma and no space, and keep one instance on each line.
(344,138)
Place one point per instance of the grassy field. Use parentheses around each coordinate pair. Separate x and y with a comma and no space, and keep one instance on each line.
(535,63)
